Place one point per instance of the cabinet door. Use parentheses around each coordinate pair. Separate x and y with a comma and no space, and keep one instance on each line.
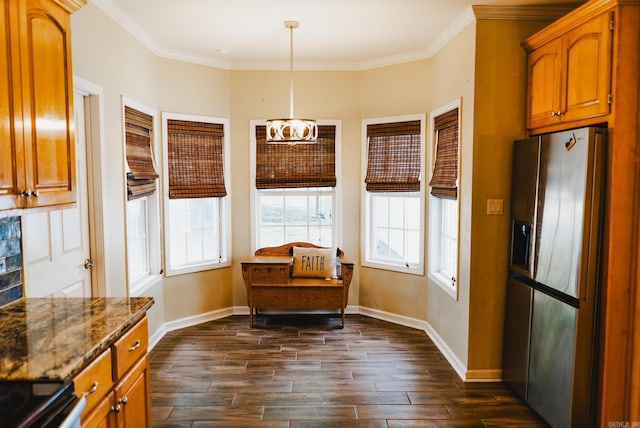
(133,395)
(47,89)
(10,155)
(545,76)
(587,55)
(102,416)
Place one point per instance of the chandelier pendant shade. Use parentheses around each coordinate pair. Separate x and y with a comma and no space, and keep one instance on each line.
(291,131)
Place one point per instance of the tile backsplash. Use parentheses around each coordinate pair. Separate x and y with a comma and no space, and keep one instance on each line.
(10,260)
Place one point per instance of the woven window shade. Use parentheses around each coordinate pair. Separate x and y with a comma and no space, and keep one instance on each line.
(195,159)
(444,181)
(301,165)
(393,159)
(141,180)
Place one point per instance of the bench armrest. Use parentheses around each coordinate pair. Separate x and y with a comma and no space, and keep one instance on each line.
(346,270)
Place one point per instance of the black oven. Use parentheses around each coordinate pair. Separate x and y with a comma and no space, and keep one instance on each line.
(39,404)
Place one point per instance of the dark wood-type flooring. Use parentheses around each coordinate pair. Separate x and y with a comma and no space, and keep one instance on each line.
(301,371)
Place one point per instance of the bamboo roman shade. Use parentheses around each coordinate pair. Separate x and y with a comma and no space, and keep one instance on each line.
(444,181)
(195,159)
(141,178)
(393,159)
(301,165)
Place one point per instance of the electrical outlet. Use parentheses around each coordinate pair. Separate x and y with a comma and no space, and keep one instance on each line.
(495,206)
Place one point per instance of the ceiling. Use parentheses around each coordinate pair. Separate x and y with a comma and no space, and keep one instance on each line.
(333,34)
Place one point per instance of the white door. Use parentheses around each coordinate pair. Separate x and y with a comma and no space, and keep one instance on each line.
(56,243)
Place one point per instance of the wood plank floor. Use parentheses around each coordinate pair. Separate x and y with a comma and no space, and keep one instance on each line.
(302,371)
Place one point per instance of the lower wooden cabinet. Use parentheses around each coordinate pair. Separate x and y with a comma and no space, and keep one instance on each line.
(102,414)
(117,383)
(133,397)
(128,405)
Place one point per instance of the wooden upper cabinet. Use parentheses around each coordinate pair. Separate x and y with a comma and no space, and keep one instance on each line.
(37,152)
(10,158)
(544,84)
(588,69)
(48,99)
(570,76)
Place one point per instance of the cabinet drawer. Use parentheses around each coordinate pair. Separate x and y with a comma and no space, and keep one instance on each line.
(129,348)
(94,381)
(270,273)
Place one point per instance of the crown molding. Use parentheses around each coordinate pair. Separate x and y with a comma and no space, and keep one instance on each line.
(129,25)
(71,5)
(549,12)
(394,60)
(462,22)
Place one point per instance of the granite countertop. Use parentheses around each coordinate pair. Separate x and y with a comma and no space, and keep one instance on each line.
(54,338)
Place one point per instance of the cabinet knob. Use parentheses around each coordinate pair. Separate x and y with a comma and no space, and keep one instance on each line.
(123,400)
(27,193)
(116,409)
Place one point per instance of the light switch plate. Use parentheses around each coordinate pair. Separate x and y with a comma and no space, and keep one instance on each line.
(495,206)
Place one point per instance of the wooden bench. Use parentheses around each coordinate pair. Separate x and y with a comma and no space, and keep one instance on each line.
(270,285)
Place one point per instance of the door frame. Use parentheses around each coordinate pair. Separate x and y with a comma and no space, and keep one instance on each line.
(94,140)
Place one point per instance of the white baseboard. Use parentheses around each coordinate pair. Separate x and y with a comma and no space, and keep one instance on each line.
(453,359)
(240,310)
(188,322)
(455,362)
(394,318)
(155,337)
(490,375)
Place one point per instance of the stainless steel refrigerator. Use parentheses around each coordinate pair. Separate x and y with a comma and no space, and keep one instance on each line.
(552,290)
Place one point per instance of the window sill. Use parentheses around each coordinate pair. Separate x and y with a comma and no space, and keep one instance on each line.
(197,268)
(417,270)
(141,286)
(445,284)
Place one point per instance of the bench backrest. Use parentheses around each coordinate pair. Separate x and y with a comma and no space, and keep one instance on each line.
(287,249)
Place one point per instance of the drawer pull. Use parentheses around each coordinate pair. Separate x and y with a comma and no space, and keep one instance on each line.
(94,388)
(135,346)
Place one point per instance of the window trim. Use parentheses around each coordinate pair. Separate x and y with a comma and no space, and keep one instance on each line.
(365,259)
(139,286)
(337,213)
(225,210)
(435,207)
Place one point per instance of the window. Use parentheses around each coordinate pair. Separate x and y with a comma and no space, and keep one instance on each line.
(288,215)
(443,201)
(295,188)
(138,239)
(142,209)
(196,199)
(393,195)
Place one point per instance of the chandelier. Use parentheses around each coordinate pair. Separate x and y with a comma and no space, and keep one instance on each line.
(291,131)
